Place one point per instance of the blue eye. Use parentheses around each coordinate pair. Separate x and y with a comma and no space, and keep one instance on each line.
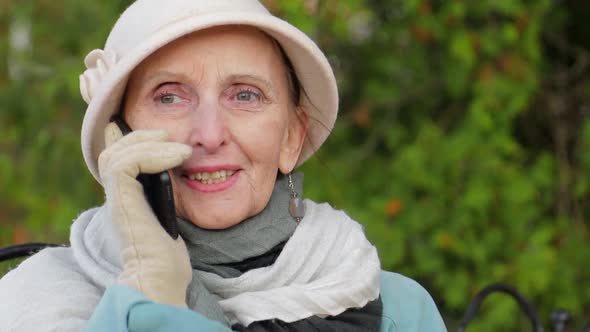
(243,97)
(247,96)
(170,99)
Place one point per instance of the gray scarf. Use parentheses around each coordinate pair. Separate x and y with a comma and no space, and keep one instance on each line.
(210,249)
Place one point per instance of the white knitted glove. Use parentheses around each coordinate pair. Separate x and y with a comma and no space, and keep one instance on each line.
(153,262)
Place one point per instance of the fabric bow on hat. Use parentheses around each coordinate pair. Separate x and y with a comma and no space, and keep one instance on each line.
(98,64)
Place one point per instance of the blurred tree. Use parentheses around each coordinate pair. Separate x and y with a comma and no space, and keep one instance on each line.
(460,141)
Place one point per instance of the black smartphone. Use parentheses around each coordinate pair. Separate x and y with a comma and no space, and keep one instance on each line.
(157,189)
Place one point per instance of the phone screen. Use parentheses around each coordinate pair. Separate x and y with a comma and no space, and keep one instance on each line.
(157,189)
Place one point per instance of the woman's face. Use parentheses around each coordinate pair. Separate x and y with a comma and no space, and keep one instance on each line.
(224,92)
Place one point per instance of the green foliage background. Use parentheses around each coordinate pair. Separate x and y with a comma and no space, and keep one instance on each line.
(462,141)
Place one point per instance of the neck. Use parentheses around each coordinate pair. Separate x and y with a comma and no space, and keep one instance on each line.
(251,237)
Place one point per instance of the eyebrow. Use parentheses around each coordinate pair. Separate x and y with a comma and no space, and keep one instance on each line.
(167,75)
(251,77)
(164,75)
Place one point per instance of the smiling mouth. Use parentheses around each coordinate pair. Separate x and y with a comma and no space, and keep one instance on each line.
(211,177)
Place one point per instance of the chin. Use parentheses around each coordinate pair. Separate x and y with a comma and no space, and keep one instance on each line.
(213,222)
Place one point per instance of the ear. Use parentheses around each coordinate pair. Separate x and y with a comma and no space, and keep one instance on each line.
(293,140)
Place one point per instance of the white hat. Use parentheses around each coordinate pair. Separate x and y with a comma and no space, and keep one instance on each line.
(148,25)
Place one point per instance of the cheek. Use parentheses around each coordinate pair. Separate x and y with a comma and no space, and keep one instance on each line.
(260,143)
(140,118)
(177,129)
(261,140)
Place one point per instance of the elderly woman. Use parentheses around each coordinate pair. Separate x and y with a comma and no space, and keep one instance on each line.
(229,100)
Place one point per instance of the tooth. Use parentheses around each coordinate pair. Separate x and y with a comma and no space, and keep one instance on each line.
(211,177)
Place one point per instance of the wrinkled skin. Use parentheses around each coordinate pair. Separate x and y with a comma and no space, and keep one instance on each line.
(224,92)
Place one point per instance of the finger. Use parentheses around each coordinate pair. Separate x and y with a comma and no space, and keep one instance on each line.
(150,157)
(143,135)
(112,133)
(130,143)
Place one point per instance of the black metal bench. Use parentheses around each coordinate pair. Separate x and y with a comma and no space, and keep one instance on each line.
(23,250)
(559,318)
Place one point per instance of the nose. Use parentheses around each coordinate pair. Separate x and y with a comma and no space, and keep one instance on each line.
(209,131)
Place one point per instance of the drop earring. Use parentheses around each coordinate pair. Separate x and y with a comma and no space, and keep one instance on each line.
(296,205)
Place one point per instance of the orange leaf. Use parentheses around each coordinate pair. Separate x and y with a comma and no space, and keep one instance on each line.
(362,115)
(486,72)
(393,207)
(445,240)
(425,8)
(20,235)
(422,34)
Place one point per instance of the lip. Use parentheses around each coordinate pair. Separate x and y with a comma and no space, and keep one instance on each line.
(214,187)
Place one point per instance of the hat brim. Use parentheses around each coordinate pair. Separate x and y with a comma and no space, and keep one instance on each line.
(320,100)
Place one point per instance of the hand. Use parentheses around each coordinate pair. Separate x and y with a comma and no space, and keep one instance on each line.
(153,262)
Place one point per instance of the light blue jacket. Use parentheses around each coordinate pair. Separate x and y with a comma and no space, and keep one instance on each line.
(407,307)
